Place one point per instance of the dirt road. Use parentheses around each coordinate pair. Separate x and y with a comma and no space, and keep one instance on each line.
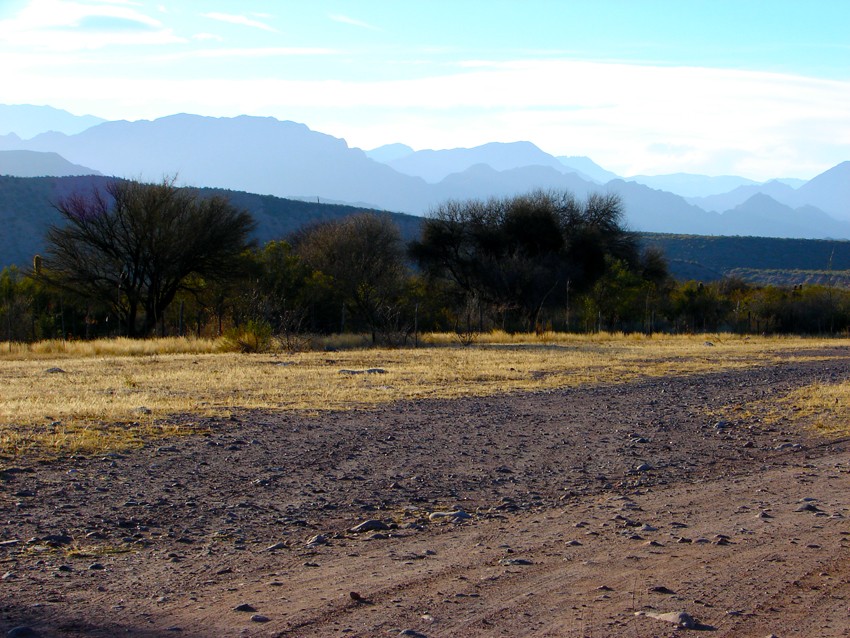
(573,510)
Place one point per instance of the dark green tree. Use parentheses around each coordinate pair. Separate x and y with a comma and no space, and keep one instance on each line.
(15,306)
(133,246)
(700,307)
(274,291)
(362,257)
(525,253)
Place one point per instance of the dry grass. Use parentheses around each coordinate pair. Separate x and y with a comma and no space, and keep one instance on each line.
(824,406)
(111,395)
(56,348)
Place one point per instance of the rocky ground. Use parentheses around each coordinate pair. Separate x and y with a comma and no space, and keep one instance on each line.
(584,512)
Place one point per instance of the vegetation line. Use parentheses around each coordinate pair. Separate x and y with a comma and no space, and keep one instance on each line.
(132,259)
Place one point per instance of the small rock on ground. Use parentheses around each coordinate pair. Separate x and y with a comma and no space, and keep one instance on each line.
(244,607)
(454,515)
(679,618)
(372,525)
(318,539)
(508,562)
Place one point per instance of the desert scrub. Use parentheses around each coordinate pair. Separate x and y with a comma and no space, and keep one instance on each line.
(92,402)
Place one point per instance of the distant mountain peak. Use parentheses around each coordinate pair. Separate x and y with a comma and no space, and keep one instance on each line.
(389,152)
(759,199)
(693,185)
(587,167)
(27,120)
(761,204)
(435,165)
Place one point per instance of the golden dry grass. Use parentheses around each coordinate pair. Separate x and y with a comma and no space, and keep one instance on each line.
(121,346)
(114,394)
(825,406)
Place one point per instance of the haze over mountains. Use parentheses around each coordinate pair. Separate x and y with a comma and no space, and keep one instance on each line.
(286,159)
(37,164)
(28,121)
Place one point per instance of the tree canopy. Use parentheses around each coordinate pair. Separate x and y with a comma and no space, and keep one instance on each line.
(363,256)
(542,261)
(525,252)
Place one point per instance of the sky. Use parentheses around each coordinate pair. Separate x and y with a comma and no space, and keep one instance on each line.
(758,88)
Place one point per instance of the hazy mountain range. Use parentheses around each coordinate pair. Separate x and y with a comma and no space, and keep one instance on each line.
(287,159)
(27,121)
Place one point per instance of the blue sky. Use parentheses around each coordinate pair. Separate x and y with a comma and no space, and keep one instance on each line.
(759,88)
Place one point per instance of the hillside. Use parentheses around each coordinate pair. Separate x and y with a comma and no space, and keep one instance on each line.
(26,210)
(829,191)
(789,278)
(37,164)
(755,259)
(278,217)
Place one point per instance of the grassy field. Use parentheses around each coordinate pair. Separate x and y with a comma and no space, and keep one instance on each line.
(91,397)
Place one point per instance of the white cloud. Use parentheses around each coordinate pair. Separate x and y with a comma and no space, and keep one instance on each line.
(343,19)
(240,20)
(757,123)
(259,52)
(208,36)
(67,26)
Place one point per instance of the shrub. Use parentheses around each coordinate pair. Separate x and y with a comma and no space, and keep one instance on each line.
(251,337)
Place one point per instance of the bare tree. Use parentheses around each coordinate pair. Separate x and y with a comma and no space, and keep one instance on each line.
(133,246)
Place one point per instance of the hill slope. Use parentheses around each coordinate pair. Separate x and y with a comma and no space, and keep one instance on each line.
(36,164)
(829,191)
(760,258)
(26,211)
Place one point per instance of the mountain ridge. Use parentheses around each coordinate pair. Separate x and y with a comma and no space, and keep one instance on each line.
(692,185)
(267,156)
(435,165)
(28,120)
(39,164)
